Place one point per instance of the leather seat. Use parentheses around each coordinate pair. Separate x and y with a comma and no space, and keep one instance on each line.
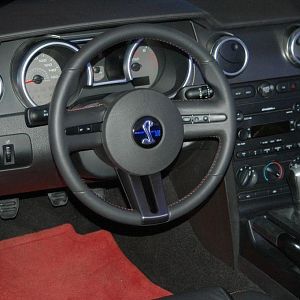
(219,294)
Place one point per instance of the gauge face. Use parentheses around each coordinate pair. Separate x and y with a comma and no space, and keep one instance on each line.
(41,78)
(99,71)
(143,66)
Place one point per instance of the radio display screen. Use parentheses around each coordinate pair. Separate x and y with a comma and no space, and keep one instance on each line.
(270,129)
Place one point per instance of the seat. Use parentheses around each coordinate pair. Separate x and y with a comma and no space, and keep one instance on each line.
(219,294)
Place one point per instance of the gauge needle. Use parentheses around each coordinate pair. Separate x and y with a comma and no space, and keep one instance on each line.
(36,79)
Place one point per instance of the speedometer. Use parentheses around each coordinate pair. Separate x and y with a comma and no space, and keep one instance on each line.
(41,78)
(41,68)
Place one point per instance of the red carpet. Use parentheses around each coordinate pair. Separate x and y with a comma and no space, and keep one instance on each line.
(61,264)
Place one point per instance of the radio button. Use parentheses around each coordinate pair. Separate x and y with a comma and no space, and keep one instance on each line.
(297,107)
(297,125)
(266,89)
(282,87)
(278,149)
(243,92)
(239,116)
(244,134)
(267,151)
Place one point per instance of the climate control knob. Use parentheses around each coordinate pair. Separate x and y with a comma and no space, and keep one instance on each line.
(273,172)
(246,176)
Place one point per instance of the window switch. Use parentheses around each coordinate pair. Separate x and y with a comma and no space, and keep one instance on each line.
(8,155)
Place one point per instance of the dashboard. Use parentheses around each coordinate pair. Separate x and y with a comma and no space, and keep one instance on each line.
(255,59)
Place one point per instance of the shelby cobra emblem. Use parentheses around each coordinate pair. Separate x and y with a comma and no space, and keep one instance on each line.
(147,132)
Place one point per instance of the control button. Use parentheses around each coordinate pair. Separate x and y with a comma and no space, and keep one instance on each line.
(244,134)
(288,146)
(297,107)
(243,92)
(97,127)
(217,118)
(243,154)
(246,176)
(266,89)
(83,129)
(246,196)
(267,150)
(72,130)
(249,91)
(274,192)
(297,125)
(187,119)
(238,93)
(282,87)
(278,140)
(264,142)
(257,152)
(239,116)
(37,116)
(273,172)
(278,149)
(8,154)
(200,119)
(201,92)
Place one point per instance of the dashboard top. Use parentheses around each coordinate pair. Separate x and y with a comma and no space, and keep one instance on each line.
(41,16)
(36,17)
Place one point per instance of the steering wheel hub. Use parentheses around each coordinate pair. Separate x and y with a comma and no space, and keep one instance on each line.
(148,125)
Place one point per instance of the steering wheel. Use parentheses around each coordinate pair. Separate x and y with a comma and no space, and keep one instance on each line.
(141,132)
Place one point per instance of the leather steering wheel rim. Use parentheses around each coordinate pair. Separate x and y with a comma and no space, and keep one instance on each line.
(214,77)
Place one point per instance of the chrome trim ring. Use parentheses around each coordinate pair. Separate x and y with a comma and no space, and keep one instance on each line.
(223,40)
(1,87)
(292,40)
(128,57)
(30,55)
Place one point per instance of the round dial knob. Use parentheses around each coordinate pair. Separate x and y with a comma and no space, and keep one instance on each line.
(273,172)
(246,176)
(244,134)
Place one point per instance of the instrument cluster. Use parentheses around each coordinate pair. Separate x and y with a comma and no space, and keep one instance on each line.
(38,65)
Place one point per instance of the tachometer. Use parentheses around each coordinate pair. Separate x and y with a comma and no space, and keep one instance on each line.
(142,64)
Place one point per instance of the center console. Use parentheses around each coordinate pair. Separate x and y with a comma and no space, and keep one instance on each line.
(267,150)
(268,140)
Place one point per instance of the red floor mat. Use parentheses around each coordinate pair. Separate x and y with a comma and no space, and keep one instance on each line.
(60,264)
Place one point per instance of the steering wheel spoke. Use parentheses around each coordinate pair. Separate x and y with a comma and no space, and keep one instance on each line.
(83,128)
(146,195)
(202,118)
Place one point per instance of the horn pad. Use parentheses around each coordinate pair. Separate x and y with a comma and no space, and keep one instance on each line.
(142,132)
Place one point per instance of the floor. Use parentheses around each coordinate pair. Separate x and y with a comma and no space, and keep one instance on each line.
(173,259)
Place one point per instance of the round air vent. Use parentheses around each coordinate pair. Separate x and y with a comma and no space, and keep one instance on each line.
(293,47)
(231,54)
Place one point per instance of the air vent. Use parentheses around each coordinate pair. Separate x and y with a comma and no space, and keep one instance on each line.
(231,54)
(293,47)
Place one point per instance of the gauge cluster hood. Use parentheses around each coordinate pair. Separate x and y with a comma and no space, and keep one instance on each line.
(40,16)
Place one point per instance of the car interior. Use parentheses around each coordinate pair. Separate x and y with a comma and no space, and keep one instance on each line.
(150,149)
